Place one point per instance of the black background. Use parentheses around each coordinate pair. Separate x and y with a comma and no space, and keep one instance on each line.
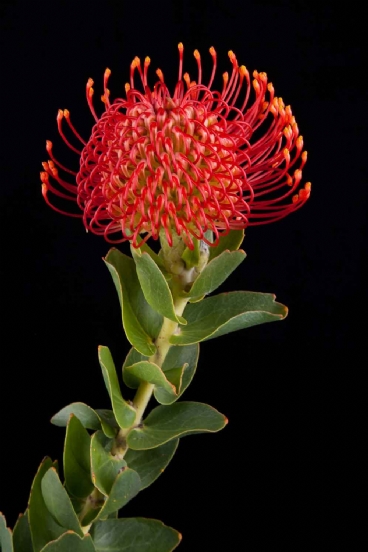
(276,477)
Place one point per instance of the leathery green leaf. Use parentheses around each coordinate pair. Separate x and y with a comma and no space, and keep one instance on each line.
(124,413)
(6,541)
(151,373)
(231,241)
(155,287)
(141,323)
(22,540)
(58,502)
(227,312)
(150,464)
(179,367)
(215,273)
(43,526)
(90,419)
(77,464)
(126,486)
(105,466)
(134,535)
(71,542)
(169,422)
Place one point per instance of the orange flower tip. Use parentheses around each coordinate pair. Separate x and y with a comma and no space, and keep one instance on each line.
(263,76)
(44,189)
(137,61)
(187,79)
(196,54)
(147,61)
(270,87)
(298,174)
(66,113)
(48,145)
(45,165)
(243,71)
(289,180)
(103,99)
(160,75)
(295,198)
(225,76)
(255,74)
(107,72)
(299,142)
(90,83)
(308,186)
(256,85)
(60,114)
(180,47)
(212,51)
(91,92)
(133,65)
(127,87)
(304,156)
(231,55)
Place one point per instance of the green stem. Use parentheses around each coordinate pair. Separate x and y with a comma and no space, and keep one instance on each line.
(145,389)
(93,502)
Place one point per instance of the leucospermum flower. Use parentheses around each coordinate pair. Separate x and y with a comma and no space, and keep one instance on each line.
(195,160)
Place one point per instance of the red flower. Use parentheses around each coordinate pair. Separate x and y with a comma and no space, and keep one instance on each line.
(188,162)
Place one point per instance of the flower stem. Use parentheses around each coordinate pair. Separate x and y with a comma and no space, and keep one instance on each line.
(145,389)
(93,502)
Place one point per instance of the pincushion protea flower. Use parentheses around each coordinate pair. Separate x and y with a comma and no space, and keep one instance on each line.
(185,162)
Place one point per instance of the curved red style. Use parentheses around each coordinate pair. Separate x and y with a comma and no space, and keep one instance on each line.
(187,162)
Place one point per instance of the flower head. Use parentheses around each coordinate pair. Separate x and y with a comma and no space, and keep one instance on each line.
(186,162)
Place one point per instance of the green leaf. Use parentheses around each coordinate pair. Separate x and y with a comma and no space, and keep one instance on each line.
(179,367)
(147,249)
(58,502)
(134,535)
(215,273)
(150,464)
(231,241)
(141,323)
(124,413)
(191,256)
(105,466)
(77,464)
(151,373)
(71,542)
(155,287)
(43,526)
(227,312)
(90,419)
(109,425)
(6,541)
(85,414)
(132,357)
(126,486)
(169,422)
(22,535)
